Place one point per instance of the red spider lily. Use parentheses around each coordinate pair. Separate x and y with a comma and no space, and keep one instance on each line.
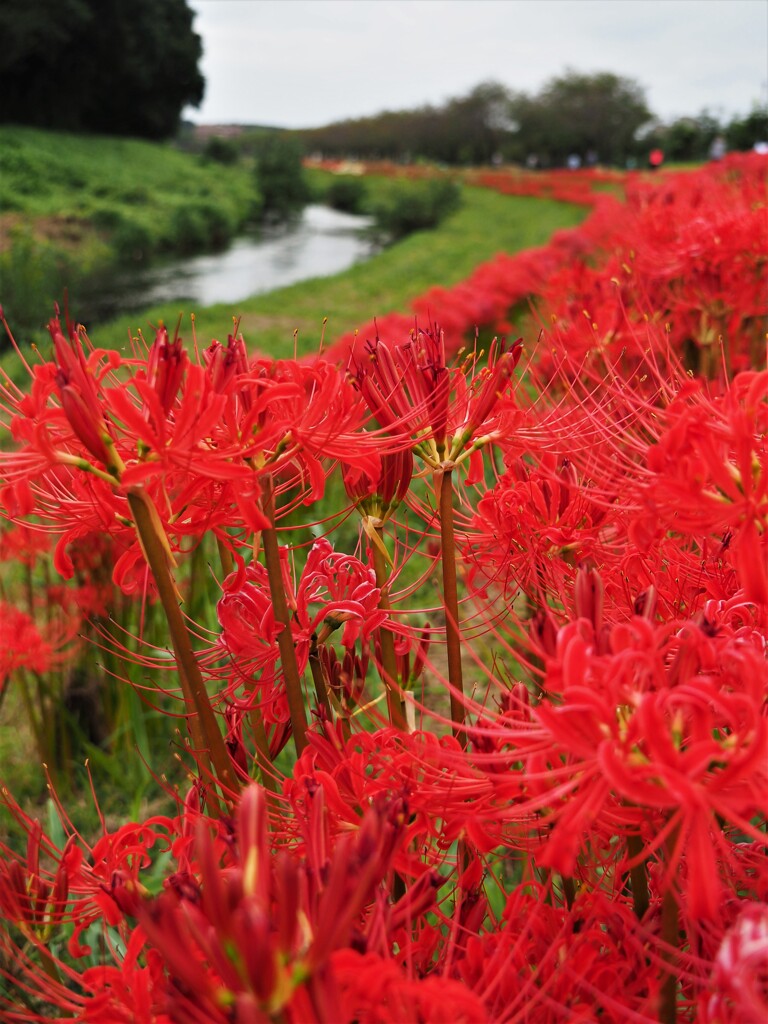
(688,249)
(79,394)
(588,963)
(588,845)
(374,988)
(340,584)
(21,645)
(448,798)
(346,592)
(21,544)
(249,632)
(346,677)
(255,935)
(710,473)
(740,969)
(535,526)
(379,498)
(195,437)
(410,390)
(34,903)
(131,992)
(315,415)
(660,719)
(335,590)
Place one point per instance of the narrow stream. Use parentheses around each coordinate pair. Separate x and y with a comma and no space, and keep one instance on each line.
(321,243)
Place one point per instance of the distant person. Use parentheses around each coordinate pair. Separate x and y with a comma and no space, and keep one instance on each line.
(573,162)
(717,149)
(655,159)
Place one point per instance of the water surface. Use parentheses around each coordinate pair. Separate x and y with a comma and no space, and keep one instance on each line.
(322,242)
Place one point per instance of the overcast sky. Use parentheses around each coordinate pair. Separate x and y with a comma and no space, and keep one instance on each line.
(305,63)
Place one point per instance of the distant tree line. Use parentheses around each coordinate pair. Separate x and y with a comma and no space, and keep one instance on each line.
(129,67)
(693,138)
(598,117)
(119,67)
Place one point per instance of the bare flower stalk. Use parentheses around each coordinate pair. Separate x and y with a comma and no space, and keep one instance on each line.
(670,935)
(225,555)
(282,615)
(388,657)
(451,604)
(262,750)
(206,736)
(639,878)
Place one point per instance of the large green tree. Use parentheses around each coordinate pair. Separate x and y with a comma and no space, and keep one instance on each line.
(122,67)
(582,114)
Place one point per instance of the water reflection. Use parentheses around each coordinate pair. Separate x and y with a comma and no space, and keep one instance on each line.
(321,243)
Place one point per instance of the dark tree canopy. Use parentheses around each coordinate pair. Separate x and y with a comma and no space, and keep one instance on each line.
(597,115)
(579,113)
(466,130)
(120,67)
(280,176)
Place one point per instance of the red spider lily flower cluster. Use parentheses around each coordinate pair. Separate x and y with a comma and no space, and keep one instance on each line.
(685,250)
(568,824)
(21,645)
(335,591)
(194,437)
(412,391)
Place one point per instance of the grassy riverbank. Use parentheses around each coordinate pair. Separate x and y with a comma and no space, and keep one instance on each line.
(75,207)
(485,224)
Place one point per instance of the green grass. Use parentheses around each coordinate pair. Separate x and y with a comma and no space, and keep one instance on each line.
(75,208)
(107,183)
(486,223)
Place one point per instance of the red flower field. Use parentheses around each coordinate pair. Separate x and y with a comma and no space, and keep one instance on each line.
(461,645)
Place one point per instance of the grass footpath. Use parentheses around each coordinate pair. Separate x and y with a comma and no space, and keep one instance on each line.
(486,223)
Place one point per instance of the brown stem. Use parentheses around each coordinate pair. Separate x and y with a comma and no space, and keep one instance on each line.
(670,934)
(282,615)
(262,749)
(225,555)
(638,876)
(203,726)
(569,890)
(318,678)
(451,605)
(388,656)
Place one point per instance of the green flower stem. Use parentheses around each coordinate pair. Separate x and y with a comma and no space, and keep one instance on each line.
(43,751)
(206,736)
(451,604)
(282,615)
(389,660)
